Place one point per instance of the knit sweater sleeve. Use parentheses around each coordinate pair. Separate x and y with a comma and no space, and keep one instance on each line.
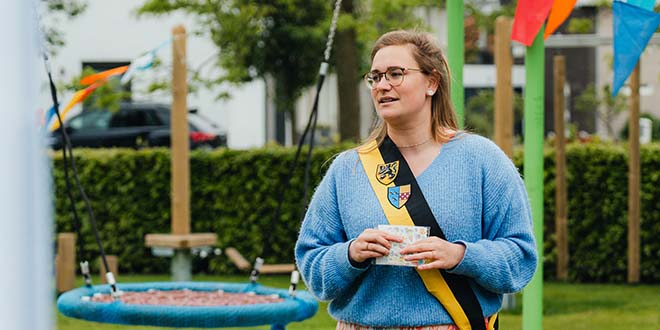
(504,260)
(322,246)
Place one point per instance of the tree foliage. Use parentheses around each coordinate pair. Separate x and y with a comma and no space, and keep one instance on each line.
(480,113)
(607,106)
(477,21)
(107,96)
(58,10)
(360,24)
(373,18)
(283,40)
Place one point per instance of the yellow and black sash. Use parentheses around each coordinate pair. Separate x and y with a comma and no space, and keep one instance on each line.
(404,204)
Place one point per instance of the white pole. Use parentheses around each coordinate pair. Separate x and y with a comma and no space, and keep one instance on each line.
(26,221)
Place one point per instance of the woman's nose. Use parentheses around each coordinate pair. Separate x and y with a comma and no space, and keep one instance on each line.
(383,83)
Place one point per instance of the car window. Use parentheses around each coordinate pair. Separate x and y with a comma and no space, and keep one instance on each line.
(91,120)
(195,124)
(199,123)
(164,117)
(151,118)
(128,118)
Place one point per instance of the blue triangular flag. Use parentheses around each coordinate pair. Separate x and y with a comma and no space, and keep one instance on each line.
(646,4)
(48,116)
(633,27)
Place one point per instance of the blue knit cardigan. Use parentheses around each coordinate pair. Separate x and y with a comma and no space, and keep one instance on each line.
(477,197)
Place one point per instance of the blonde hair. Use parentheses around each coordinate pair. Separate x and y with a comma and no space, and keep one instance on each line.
(427,53)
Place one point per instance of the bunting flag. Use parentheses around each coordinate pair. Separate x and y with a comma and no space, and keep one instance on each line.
(141,63)
(78,97)
(633,28)
(92,78)
(530,15)
(47,117)
(98,79)
(646,4)
(559,13)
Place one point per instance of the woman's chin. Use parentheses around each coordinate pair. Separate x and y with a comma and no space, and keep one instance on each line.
(388,111)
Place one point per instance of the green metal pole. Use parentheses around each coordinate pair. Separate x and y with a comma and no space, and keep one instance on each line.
(455,54)
(533,171)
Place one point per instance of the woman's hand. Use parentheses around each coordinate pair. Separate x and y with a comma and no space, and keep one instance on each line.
(372,243)
(436,252)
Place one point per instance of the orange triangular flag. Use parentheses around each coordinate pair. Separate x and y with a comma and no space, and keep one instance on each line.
(77,97)
(560,11)
(103,75)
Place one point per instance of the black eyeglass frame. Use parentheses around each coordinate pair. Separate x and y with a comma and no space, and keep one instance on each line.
(371,82)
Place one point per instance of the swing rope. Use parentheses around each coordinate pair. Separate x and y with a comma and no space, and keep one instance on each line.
(310,128)
(69,160)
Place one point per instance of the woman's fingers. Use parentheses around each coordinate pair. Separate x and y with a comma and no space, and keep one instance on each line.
(435,252)
(426,255)
(378,248)
(386,240)
(372,243)
(432,265)
(427,244)
(379,237)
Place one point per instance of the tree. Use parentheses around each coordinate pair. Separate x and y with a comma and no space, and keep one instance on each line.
(478,20)
(282,41)
(347,75)
(107,96)
(607,106)
(56,11)
(480,113)
(278,40)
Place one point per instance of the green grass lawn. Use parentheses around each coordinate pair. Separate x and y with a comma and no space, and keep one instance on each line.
(566,307)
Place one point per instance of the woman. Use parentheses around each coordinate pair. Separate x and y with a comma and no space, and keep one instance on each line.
(460,185)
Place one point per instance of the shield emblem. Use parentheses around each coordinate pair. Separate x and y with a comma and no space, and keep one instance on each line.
(386,173)
(398,195)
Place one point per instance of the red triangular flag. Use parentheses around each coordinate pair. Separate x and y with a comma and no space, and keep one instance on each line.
(530,15)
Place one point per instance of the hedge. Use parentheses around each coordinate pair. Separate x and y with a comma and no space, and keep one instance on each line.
(597,182)
(234,194)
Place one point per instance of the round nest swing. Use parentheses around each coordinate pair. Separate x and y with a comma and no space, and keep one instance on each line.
(79,303)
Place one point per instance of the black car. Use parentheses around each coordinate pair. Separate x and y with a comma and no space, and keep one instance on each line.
(135,125)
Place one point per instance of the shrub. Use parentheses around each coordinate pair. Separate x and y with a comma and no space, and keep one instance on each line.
(234,194)
(597,181)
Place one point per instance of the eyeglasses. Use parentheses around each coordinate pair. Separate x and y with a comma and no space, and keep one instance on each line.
(394,75)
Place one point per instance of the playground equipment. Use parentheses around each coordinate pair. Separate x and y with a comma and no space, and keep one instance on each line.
(78,303)
(298,307)
(180,240)
(294,306)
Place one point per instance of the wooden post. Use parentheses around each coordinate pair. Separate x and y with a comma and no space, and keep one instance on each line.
(504,86)
(112,263)
(65,262)
(561,222)
(179,135)
(633,179)
(180,238)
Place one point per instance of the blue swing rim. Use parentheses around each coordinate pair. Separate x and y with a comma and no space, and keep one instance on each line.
(293,309)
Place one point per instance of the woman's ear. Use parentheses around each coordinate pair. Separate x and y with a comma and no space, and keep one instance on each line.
(432,82)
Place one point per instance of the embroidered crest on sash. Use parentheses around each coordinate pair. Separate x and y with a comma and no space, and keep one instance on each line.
(398,195)
(386,173)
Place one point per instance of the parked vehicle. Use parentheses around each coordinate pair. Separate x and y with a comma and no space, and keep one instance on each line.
(136,125)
